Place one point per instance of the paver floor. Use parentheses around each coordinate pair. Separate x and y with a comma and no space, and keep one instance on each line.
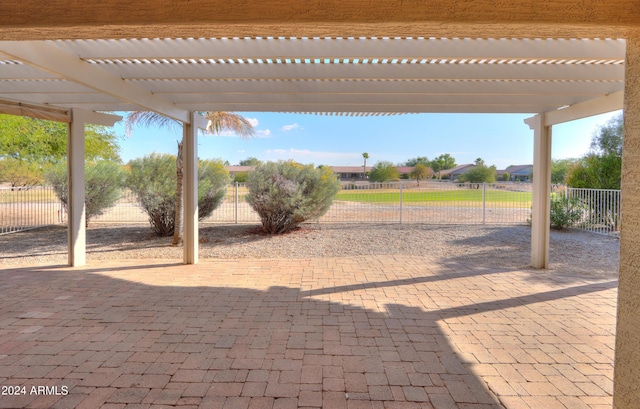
(357,332)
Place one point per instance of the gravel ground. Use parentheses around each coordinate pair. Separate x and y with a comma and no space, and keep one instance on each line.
(572,251)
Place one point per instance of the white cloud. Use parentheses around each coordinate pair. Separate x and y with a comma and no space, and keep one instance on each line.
(240,151)
(253,121)
(263,133)
(290,127)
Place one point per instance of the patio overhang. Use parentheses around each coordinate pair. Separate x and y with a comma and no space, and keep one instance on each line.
(316,74)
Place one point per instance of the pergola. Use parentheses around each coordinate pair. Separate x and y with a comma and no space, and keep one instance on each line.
(34,20)
(72,80)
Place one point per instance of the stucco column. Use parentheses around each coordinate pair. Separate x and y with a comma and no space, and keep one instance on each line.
(626,387)
(540,203)
(75,203)
(190,186)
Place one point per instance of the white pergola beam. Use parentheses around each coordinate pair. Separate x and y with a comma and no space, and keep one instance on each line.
(507,72)
(470,87)
(49,58)
(577,49)
(97,118)
(274,99)
(11,107)
(62,99)
(372,107)
(596,106)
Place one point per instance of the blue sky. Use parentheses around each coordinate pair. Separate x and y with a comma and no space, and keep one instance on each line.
(500,140)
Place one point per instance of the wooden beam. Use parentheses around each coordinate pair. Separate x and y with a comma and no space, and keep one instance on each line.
(211,18)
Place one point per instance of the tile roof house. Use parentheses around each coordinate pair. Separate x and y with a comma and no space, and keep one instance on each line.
(521,173)
(455,172)
(234,170)
(343,172)
(350,172)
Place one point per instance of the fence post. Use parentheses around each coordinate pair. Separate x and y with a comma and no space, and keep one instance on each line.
(484,202)
(400,202)
(568,196)
(236,203)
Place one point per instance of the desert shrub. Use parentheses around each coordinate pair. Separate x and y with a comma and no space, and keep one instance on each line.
(213,179)
(153,180)
(285,194)
(565,211)
(103,182)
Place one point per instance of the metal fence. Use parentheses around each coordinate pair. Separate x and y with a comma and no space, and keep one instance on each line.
(600,209)
(432,202)
(399,202)
(23,209)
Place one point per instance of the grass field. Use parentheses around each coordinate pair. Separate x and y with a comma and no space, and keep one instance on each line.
(34,195)
(438,196)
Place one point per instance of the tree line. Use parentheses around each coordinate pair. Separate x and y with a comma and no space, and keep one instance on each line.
(601,167)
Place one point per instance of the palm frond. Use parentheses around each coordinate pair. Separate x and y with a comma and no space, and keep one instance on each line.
(149,119)
(228,121)
(218,121)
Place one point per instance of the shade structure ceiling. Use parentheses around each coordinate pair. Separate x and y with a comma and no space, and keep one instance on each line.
(359,76)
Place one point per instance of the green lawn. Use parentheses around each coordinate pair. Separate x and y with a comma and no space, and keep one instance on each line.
(454,196)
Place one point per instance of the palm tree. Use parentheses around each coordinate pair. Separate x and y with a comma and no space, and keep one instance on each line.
(364,167)
(218,121)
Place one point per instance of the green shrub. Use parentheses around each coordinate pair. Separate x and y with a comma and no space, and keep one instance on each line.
(285,194)
(479,174)
(153,180)
(19,173)
(565,211)
(384,171)
(103,181)
(240,177)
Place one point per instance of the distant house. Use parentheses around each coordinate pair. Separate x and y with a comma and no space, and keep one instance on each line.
(344,173)
(234,170)
(404,171)
(350,172)
(519,173)
(454,173)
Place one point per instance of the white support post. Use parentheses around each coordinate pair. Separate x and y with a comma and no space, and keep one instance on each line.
(190,186)
(75,204)
(541,201)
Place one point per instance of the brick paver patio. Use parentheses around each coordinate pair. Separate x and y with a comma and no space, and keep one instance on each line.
(369,332)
